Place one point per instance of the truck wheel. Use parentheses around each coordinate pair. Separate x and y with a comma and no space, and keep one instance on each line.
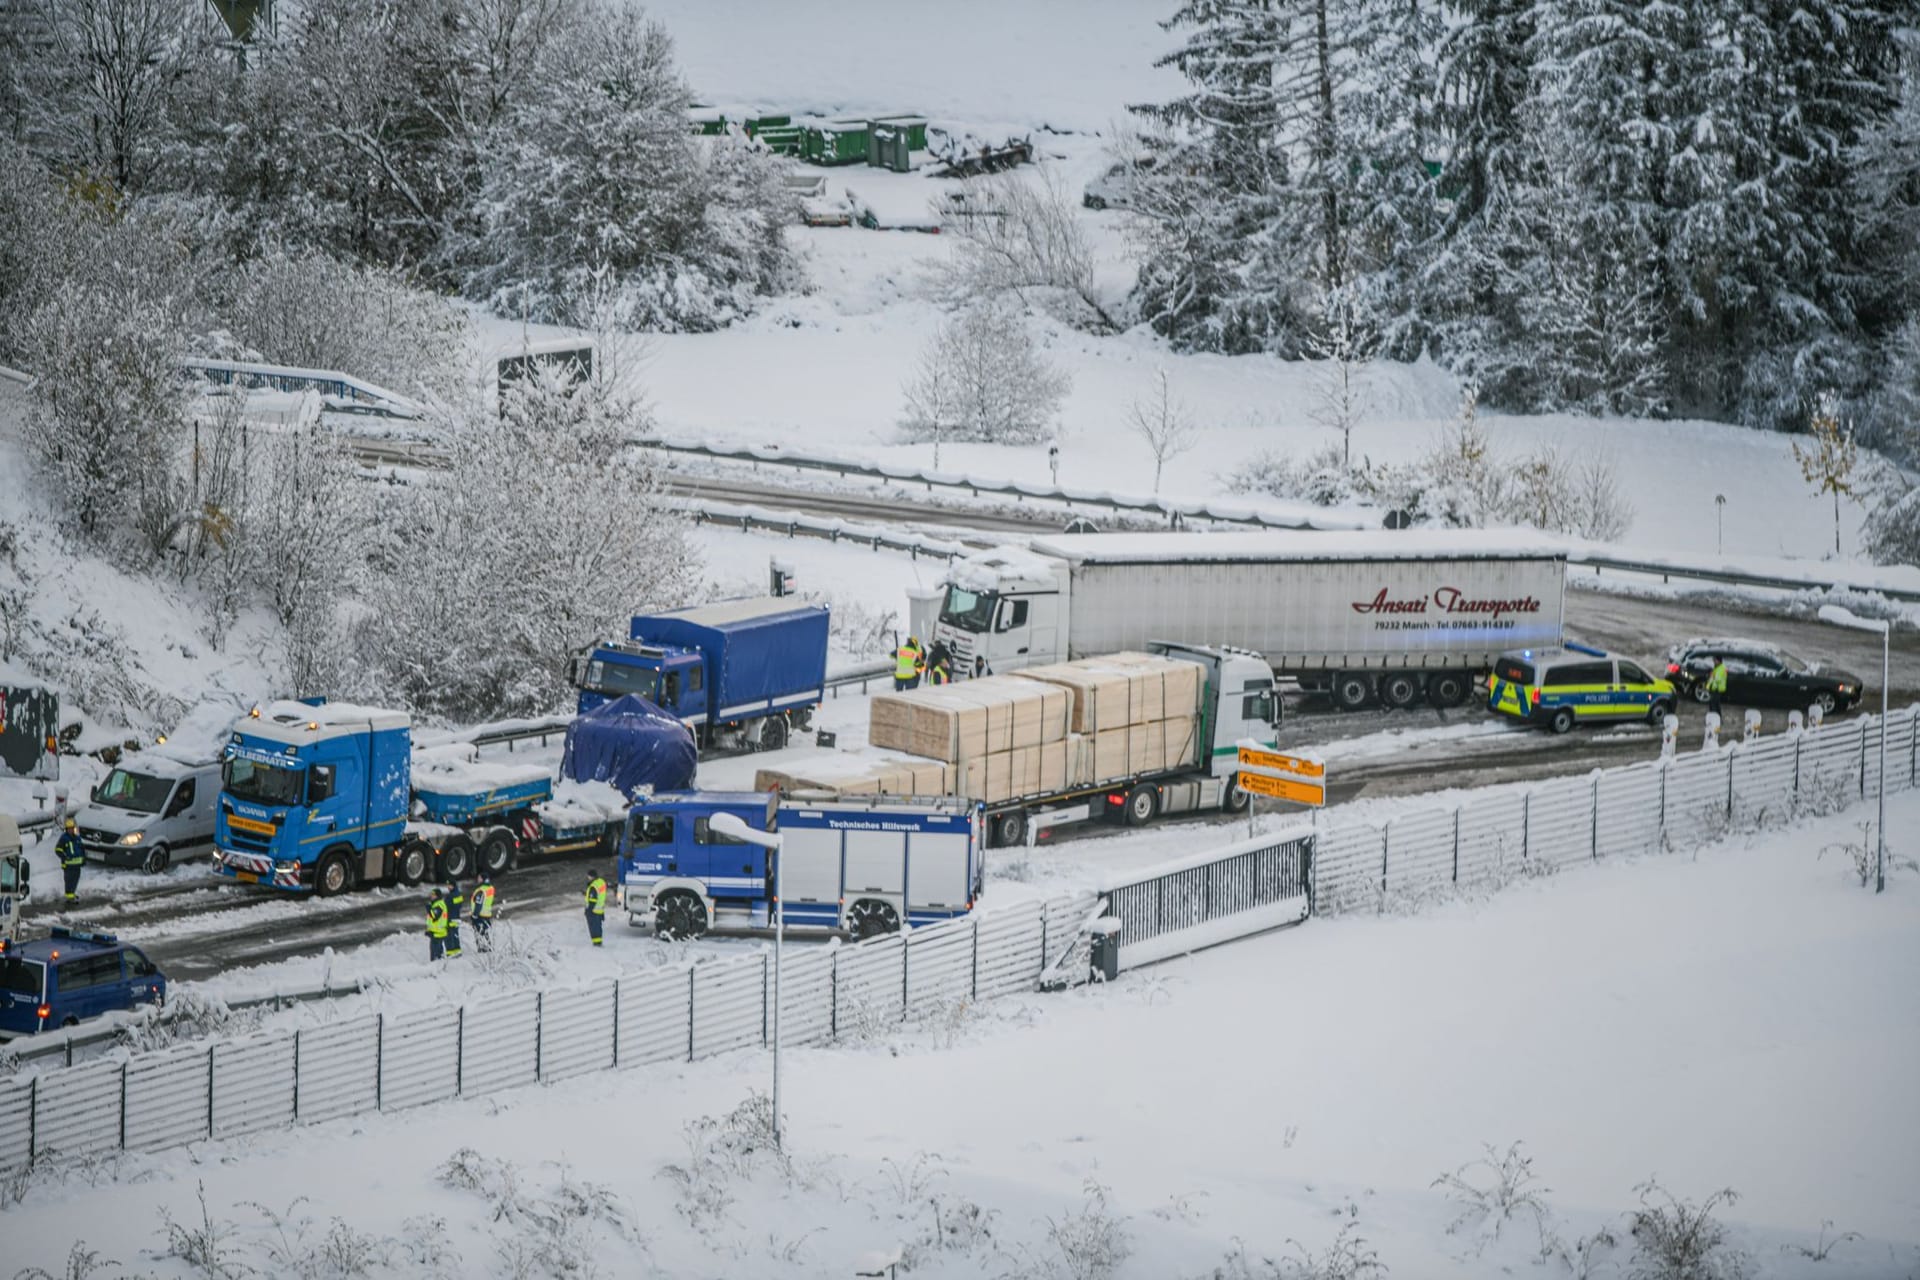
(1352,690)
(1142,803)
(1236,800)
(1448,688)
(456,858)
(1399,689)
(414,861)
(1562,720)
(1010,829)
(773,733)
(499,852)
(334,875)
(871,919)
(679,915)
(157,860)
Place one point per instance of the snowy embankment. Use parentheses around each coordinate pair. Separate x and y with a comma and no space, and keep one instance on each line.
(1739,1018)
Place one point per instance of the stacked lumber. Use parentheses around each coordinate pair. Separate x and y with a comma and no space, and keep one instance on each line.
(1047,729)
(862,774)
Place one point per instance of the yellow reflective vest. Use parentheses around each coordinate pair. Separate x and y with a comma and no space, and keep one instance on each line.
(483,902)
(437,918)
(597,896)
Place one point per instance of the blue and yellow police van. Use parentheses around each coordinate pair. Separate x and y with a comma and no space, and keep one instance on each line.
(71,975)
(1575,684)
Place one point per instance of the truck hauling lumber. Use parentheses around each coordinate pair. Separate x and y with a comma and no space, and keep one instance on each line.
(1361,616)
(323,797)
(1127,736)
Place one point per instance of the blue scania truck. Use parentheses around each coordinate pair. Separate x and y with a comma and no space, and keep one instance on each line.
(745,674)
(321,797)
(862,866)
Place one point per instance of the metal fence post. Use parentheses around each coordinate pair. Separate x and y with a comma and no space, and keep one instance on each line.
(689,1013)
(460,1052)
(379,1061)
(1863,755)
(1386,848)
(296,1075)
(1666,767)
(1799,745)
(905,970)
(33,1120)
(1593,819)
(973,978)
(1731,754)
(211,1049)
(123,1106)
(1526,826)
(833,993)
(539,1033)
(616,1022)
(1456,845)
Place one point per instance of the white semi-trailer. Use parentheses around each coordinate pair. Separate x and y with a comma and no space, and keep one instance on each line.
(1380,614)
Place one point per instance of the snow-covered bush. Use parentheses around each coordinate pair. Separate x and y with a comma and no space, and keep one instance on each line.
(1089,1243)
(307,534)
(304,308)
(592,187)
(544,535)
(1493,1189)
(1021,235)
(983,378)
(1675,1239)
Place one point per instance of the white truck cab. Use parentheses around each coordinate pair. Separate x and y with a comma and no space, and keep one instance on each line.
(152,810)
(1006,606)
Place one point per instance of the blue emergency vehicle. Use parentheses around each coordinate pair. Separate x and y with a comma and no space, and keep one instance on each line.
(745,674)
(862,866)
(70,976)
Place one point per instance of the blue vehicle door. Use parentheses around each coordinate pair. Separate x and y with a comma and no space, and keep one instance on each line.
(144,983)
(336,796)
(735,869)
(87,986)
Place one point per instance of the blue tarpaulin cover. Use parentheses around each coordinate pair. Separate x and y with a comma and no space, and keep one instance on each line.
(630,743)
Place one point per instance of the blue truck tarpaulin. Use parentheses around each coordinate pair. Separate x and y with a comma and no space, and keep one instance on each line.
(630,743)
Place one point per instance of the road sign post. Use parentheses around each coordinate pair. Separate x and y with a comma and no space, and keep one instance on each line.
(1278,776)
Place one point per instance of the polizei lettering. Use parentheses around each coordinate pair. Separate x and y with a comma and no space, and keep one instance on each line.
(1448,600)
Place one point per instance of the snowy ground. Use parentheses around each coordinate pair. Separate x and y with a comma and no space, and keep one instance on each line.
(1740,1018)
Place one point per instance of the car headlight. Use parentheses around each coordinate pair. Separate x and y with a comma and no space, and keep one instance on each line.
(292,864)
(132,837)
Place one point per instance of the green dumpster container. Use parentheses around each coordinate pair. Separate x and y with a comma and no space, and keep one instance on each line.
(887,148)
(707,120)
(785,139)
(835,142)
(915,126)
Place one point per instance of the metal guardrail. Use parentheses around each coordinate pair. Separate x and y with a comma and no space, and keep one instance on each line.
(1731,577)
(1017,489)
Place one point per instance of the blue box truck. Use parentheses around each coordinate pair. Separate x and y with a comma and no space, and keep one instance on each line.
(325,797)
(861,866)
(745,674)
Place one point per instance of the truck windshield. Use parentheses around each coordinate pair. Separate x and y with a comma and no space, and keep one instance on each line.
(22,977)
(263,783)
(968,610)
(136,791)
(616,678)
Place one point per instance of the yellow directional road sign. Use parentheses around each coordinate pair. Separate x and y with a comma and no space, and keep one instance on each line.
(1260,784)
(1297,765)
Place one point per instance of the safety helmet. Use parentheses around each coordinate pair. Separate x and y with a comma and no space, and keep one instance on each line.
(71,825)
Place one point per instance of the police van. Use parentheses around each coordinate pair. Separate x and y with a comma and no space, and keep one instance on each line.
(1575,684)
(69,976)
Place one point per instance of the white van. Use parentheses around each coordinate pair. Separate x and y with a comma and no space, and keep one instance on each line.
(151,811)
(13,878)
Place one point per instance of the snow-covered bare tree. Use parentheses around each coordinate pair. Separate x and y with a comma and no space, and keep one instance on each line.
(1164,423)
(104,84)
(594,177)
(308,309)
(983,378)
(1345,344)
(545,535)
(1828,460)
(107,407)
(307,533)
(1021,235)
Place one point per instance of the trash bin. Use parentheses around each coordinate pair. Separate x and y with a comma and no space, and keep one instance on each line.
(1104,939)
(887,148)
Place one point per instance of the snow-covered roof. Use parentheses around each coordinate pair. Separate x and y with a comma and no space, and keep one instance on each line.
(289,721)
(1360,544)
(722,612)
(201,734)
(984,570)
(437,771)
(155,764)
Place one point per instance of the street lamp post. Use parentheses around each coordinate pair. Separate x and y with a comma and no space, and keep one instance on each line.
(730,825)
(1719,523)
(1840,617)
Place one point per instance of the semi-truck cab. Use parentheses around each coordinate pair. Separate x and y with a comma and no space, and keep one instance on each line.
(313,796)
(863,865)
(745,674)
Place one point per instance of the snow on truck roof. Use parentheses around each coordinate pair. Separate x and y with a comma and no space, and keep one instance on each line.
(1360,544)
(722,612)
(288,722)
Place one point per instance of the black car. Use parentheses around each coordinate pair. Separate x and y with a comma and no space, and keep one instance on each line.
(1761,675)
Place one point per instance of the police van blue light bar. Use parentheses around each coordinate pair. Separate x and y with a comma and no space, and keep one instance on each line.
(1586,649)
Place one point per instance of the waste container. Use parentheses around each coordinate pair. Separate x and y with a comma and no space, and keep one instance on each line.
(887,148)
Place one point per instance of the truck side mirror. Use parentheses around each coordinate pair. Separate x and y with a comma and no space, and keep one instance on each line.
(320,785)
